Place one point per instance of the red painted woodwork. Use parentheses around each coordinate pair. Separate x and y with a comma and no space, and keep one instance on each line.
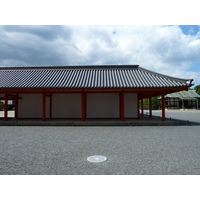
(138,105)
(43,107)
(50,106)
(47,118)
(16,107)
(83,106)
(150,107)
(122,106)
(9,98)
(163,107)
(6,107)
(142,94)
(147,92)
(142,107)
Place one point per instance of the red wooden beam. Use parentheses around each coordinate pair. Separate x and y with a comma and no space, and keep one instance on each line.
(12,95)
(78,90)
(163,106)
(122,106)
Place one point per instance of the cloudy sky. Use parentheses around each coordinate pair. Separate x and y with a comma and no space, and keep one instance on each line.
(172,50)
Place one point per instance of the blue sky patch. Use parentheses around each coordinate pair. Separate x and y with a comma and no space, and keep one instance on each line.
(195,67)
(190,29)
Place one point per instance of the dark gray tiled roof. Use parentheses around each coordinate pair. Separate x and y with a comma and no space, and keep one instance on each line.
(105,76)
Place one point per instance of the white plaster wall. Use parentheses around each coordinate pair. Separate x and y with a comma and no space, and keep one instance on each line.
(66,106)
(130,105)
(103,105)
(30,106)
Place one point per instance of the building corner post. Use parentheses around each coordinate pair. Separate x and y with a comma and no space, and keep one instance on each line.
(142,107)
(6,107)
(163,107)
(138,105)
(43,106)
(83,106)
(16,106)
(150,107)
(50,106)
(122,106)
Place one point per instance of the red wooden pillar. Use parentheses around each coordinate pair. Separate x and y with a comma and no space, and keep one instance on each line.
(83,106)
(150,107)
(16,106)
(142,107)
(138,105)
(122,106)
(50,106)
(43,106)
(6,107)
(163,107)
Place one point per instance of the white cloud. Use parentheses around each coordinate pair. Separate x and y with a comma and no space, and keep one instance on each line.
(165,49)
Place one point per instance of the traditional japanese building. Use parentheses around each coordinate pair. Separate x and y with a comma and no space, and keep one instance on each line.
(84,92)
(182,100)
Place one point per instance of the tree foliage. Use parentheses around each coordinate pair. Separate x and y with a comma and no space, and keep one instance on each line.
(197,89)
(156,104)
(1,105)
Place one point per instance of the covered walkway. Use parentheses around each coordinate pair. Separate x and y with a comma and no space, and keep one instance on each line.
(144,120)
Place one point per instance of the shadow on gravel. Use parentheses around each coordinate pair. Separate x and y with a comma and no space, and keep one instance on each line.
(186,122)
(184,117)
(183,122)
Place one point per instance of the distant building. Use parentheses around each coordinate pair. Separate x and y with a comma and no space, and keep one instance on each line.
(11,105)
(182,100)
(84,92)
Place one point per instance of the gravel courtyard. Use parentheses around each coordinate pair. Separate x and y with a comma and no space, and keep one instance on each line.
(129,150)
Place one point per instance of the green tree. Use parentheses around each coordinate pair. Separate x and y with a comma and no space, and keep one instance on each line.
(197,89)
(156,104)
(1,105)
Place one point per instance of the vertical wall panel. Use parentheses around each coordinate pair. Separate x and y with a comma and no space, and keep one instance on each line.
(130,105)
(66,106)
(30,106)
(103,105)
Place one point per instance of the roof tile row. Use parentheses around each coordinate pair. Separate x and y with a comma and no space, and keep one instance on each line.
(87,77)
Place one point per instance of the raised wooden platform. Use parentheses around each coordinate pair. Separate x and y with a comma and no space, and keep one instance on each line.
(140,122)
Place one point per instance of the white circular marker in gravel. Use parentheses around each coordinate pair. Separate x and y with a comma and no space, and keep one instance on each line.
(96,159)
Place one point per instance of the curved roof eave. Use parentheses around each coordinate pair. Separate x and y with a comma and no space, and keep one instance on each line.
(116,76)
(165,76)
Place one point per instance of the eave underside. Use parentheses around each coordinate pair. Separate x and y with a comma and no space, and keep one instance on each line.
(144,92)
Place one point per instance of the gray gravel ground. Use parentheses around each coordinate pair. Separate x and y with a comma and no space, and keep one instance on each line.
(129,150)
(193,116)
